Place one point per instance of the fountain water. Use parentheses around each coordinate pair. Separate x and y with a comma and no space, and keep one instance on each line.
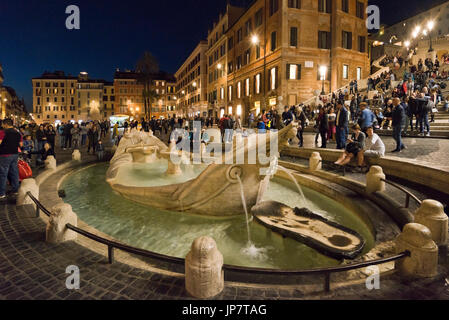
(242,194)
(301,193)
(250,249)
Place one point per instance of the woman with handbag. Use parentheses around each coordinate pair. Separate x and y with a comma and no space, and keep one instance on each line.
(353,148)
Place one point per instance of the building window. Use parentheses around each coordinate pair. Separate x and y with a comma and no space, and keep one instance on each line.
(345,5)
(274,6)
(295,4)
(230,43)
(239,62)
(248,28)
(362,44)
(230,67)
(345,71)
(230,93)
(222,93)
(257,84)
(294,37)
(325,6)
(273,41)
(359,73)
(239,35)
(257,51)
(247,91)
(239,90)
(293,71)
(324,40)
(247,57)
(347,40)
(360,10)
(273,78)
(258,19)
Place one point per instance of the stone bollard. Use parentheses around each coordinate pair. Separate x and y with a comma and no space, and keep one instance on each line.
(423,261)
(27,185)
(431,214)
(373,180)
(315,162)
(76,155)
(50,163)
(57,231)
(203,269)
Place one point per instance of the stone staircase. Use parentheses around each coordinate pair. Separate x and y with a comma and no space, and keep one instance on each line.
(438,129)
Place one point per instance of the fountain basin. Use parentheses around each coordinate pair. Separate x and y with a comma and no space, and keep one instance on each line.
(171,233)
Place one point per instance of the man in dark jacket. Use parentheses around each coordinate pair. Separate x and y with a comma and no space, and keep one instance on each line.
(10,141)
(423,114)
(398,121)
(302,119)
(323,126)
(287,116)
(341,123)
(68,135)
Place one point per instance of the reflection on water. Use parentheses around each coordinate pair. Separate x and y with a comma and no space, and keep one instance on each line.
(172,233)
(153,174)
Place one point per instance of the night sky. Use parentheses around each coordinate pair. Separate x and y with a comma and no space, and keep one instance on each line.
(114,34)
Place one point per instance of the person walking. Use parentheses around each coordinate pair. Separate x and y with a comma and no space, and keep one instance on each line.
(302,119)
(92,135)
(398,121)
(68,135)
(10,141)
(76,136)
(341,123)
(323,126)
(50,133)
(61,135)
(83,134)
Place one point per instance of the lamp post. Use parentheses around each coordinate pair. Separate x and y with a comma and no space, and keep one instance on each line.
(256,41)
(430,26)
(323,71)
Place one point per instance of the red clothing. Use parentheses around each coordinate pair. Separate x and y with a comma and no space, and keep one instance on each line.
(2,136)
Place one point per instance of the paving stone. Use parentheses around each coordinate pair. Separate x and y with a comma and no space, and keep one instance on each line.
(30,268)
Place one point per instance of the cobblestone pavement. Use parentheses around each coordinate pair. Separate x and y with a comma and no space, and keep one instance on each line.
(434,151)
(30,268)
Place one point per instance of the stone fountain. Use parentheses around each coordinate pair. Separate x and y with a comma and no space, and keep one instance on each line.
(212,193)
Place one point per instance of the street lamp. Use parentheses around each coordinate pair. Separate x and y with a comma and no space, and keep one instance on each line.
(219,66)
(255,39)
(430,26)
(323,71)
(407,44)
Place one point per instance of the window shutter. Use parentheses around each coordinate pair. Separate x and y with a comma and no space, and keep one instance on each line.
(288,71)
(298,75)
(254,84)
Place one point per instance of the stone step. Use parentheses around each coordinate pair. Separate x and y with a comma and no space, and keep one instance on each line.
(433,134)
(443,134)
